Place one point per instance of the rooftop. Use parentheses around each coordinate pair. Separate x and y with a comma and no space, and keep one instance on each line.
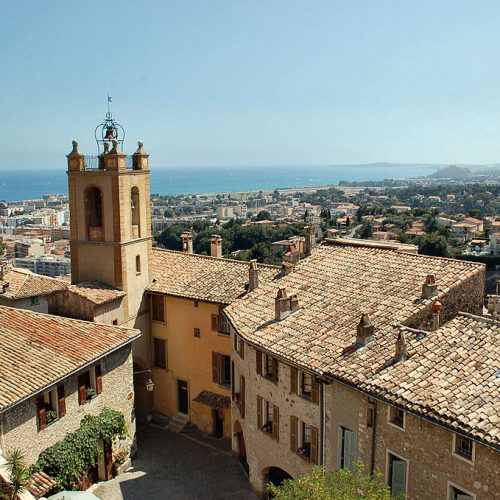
(37,350)
(96,292)
(24,284)
(335,285)
(201,277)
(452,376)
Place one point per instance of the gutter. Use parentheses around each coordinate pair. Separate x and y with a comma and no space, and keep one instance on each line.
(69,374)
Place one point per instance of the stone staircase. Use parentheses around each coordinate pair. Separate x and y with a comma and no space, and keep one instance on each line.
(178,422)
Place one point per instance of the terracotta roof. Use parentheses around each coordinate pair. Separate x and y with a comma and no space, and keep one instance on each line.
(452,376)
(40,483)
(335,285)
(214,400)
(24,284)
(96,292)
(202,277)
(37,350)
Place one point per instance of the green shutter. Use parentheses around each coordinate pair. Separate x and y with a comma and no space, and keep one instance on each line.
(398,479)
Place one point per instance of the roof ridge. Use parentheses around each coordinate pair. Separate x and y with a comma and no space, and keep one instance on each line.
(30,312)
(481,319)
(210,257)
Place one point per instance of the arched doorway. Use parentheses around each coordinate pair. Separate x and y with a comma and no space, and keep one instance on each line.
(274,475)
(241,449)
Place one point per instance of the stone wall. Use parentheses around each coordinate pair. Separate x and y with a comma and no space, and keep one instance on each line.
(262,451)
(19,425)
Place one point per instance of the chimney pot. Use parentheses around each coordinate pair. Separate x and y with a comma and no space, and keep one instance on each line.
(286,268)
(5,287)
(429,288)
(253,275)
(281,305)
(216,246)
(187,242)
(401,347)
(364,330)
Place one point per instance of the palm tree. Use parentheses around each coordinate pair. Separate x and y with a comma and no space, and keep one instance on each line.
(15,463)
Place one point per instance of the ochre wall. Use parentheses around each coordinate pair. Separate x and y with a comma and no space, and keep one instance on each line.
(189,359)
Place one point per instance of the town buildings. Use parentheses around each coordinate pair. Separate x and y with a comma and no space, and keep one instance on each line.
(56,370)
(322,357)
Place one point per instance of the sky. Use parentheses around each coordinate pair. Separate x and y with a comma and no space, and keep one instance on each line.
(262,82)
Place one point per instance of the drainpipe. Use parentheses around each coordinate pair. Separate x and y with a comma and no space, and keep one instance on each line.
(322,439)
(374,437)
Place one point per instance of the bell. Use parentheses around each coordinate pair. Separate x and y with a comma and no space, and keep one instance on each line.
(110,133)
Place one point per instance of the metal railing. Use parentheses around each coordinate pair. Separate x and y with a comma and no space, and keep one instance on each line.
(93,162)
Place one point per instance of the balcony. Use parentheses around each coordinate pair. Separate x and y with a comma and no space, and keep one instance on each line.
(96,233)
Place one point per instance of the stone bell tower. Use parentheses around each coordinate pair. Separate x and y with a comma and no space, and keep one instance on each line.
(110,215)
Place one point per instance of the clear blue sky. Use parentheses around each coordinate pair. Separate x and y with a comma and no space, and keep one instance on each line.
(239,82)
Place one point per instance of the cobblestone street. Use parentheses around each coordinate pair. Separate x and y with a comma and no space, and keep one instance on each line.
(174,466)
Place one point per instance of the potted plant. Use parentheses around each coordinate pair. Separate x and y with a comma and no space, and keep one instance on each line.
(90,392)
(121,460)
(51,416)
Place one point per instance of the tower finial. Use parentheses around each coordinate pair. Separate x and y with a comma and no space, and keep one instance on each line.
(108,131)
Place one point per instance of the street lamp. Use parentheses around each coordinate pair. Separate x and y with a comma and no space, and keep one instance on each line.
(150,385)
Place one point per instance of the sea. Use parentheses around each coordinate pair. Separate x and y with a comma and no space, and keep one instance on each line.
(34,183)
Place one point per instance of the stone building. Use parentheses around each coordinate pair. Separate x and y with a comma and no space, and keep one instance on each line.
(306,348)
(23,289)
(56,370)
(190,336)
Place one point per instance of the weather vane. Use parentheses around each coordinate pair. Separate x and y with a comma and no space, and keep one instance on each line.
(108,131)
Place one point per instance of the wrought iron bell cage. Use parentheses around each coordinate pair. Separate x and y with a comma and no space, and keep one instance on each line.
(107,132)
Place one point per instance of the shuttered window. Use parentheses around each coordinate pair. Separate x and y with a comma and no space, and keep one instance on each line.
(304,440)
(158,308)
(397,474)
(61,400)
(239,346)
(268,418)
(214,323)
(160,353)
(41,413)
(258,360)
(347,448)
(221,369)
(224,326)
(294,387)
(89,384)
(242,396)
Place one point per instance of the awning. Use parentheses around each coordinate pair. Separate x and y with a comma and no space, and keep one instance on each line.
(40,483)
(214,400)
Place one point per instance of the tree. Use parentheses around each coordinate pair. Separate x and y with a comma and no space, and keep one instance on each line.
(433,244)
(19,475)
(431,224)
(366,230)
(263,215)
(341,484)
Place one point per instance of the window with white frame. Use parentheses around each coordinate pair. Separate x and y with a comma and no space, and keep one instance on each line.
(463,447)
(457,493)
(396,474)
(396,417)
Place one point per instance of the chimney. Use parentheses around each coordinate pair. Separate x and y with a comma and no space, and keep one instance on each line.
(216,246)
(187,242)
(286,268)
(401,347)
(5,287)
(310,240)
(253,275)
(429,288)
(364,330)
(281,305)
(436,309)
(292,254)
(294,303)
(493,304)
(332,233)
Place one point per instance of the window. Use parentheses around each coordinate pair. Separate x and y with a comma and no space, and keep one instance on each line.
(304,440)
(160,353)
(93,213)
(304,385)
(220,324)
(35,301)
(268,418)
(221,369)
(396,417)
(239,396)
(456,493)
(239,346)
(370,415)
(158,308)
(196,303)
(463,447)
(197,333)
(396,474)
(270,368)
(115,322)
(137,264)
(135,212)
(51,406)
(347,448)
(89,384)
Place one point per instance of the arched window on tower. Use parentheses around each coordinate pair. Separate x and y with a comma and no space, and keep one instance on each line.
(135,210)
(93,213)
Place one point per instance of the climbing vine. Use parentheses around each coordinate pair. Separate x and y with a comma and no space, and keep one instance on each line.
(69,460)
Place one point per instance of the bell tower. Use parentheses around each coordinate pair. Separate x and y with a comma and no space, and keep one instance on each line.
(110,217)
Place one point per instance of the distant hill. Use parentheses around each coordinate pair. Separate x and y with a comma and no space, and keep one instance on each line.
(452,172)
